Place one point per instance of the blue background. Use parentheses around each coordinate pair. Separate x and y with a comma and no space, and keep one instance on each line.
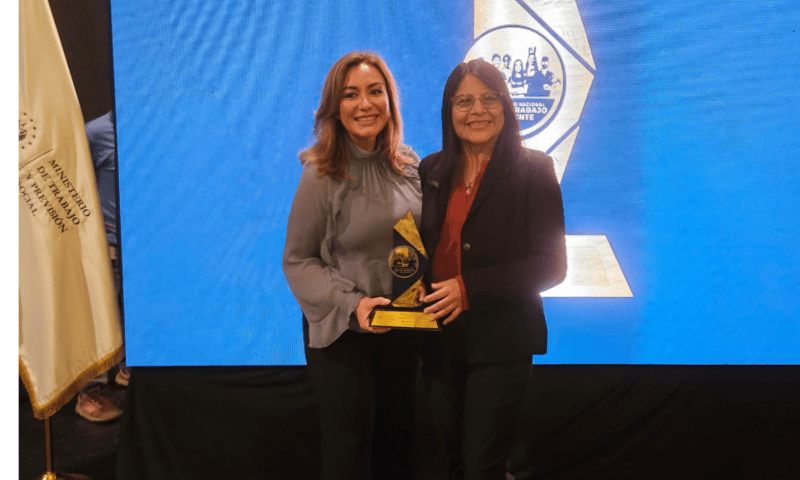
(685,160)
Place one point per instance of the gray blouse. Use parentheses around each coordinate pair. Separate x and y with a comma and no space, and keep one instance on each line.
(339,237)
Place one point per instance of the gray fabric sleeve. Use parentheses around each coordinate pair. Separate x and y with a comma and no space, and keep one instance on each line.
(322,293)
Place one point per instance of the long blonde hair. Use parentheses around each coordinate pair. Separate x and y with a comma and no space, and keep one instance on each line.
(330,153)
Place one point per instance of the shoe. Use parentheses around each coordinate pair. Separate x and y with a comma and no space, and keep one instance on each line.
(123,375)
(94,405)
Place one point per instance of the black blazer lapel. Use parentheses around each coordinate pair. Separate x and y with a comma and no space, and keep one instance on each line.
(439,185)
(441,198)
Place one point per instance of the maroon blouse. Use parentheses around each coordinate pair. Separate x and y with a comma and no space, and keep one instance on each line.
(447,259)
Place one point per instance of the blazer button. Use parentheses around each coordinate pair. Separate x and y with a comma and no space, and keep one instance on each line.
(466,247)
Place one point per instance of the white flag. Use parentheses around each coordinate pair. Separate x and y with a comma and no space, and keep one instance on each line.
(69,330)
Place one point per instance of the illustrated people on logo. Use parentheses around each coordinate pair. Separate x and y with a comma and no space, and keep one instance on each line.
(498,65)
(516,83)
(506,66)
(548,78)
(530,65)
(533,77)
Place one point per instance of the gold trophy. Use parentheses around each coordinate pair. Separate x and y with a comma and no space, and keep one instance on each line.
(407,261)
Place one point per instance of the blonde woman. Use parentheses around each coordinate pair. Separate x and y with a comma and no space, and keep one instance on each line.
(358,180)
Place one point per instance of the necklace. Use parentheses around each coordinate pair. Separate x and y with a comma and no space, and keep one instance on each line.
(469,188)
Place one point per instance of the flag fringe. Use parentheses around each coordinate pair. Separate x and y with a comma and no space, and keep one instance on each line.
(50,408)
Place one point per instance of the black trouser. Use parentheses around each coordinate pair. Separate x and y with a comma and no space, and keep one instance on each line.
(365,386)
(475,408)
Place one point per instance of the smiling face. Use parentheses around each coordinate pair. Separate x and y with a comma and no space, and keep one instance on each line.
(364,109)
(478,126)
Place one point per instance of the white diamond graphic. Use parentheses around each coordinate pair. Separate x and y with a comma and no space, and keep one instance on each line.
(549,121)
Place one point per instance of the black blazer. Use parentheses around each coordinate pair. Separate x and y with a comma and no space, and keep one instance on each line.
(513,247)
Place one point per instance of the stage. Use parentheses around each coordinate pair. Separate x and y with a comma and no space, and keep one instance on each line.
(580,422)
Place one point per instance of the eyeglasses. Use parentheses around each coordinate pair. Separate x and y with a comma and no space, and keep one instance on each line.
(489,100)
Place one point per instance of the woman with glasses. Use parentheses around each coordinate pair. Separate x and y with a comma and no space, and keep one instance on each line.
(492,215)
(358,180)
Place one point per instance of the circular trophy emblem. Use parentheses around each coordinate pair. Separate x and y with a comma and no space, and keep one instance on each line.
(403,261)
(533,70)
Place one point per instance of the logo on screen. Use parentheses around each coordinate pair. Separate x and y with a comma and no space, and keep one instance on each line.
(533,70)
(542,50)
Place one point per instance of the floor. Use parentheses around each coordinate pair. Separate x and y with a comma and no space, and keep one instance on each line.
(79,446)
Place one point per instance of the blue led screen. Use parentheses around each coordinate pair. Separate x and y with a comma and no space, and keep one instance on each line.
(673,125)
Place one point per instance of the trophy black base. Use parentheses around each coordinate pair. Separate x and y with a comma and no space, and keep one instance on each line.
(403,318)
